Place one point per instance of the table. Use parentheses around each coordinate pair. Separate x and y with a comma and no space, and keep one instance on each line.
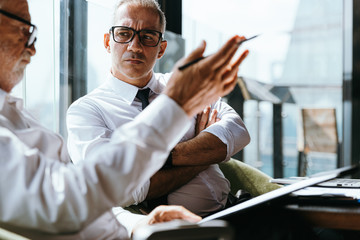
(334,217)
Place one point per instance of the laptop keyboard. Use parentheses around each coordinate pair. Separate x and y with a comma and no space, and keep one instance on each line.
(341,182)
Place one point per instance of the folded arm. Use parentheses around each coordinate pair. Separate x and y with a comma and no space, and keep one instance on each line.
(219,137)
(170,179)
(201,146)
(193,156)
(204,149)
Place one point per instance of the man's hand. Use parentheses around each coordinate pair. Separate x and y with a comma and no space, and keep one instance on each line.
(205,81)
(204,119)
(168,213)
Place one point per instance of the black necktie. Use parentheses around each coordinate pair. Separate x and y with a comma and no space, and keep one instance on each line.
(143,96)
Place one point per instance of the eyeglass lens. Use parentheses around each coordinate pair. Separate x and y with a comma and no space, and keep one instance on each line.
(147,37)
(32,37)
(32,29)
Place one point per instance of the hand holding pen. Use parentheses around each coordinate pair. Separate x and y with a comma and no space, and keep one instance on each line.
(207,80)
(198,59)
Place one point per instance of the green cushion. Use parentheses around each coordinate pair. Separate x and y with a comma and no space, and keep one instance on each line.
(245,177)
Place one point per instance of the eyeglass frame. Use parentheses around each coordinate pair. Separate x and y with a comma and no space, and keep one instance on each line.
(33,33)
(111,31)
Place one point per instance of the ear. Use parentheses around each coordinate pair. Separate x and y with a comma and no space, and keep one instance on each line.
(163,45)
(107,42)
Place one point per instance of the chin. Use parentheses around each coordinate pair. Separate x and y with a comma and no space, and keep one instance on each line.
(17,78)
(15,82)
(140,72)
(11,80)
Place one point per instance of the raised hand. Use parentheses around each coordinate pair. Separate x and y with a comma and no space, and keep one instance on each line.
(205,81)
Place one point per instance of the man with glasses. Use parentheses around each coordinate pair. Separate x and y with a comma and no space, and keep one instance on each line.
(41,192)
(191,176)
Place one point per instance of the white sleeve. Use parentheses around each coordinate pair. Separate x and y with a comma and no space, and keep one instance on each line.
(49,195)
(127,219)
(139,195)
(86,130)
(230,129)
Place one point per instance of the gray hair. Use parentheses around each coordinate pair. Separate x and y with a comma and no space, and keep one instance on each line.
(152,4)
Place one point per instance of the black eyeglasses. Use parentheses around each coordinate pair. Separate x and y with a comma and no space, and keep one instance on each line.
(121,34)
(32,30)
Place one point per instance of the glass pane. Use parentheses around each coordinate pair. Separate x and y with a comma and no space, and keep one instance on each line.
(38,87)
(297,55)
(99,61)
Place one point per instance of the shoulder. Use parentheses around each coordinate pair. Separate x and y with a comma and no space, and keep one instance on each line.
(88,102)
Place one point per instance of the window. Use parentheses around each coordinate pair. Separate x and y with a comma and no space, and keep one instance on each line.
(40,86)
(99,61)
(299,47)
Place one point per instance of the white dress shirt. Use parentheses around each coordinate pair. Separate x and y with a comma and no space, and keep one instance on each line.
(92,119)
(40,189)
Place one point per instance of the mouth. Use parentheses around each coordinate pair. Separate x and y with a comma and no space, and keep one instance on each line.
(25,61)
(134,61)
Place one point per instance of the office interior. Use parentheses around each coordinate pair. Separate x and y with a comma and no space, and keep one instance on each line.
(307,55)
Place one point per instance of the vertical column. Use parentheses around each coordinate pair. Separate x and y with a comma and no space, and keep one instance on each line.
(73,54)
(355,127)
(351,84)
(236,100)
(278,141)
(173,14)
(77,48)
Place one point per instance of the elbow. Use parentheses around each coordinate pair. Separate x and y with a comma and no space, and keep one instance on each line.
(247,138)
(241,140)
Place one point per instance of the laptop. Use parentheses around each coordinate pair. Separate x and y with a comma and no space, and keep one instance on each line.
(275,194)
(334,183)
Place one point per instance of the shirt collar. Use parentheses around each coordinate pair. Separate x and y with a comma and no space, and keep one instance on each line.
(6,97)
(127,91)
(155,83)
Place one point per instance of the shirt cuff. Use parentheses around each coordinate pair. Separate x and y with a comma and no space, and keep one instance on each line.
(140,193)
(220,132)
(127,219)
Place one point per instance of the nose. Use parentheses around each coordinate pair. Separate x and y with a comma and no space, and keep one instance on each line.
(31,49)
(135,44)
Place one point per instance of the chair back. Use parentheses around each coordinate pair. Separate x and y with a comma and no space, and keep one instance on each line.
(320,130)
(318,134)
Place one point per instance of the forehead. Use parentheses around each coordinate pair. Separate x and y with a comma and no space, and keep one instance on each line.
(137,17)
(17,7)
